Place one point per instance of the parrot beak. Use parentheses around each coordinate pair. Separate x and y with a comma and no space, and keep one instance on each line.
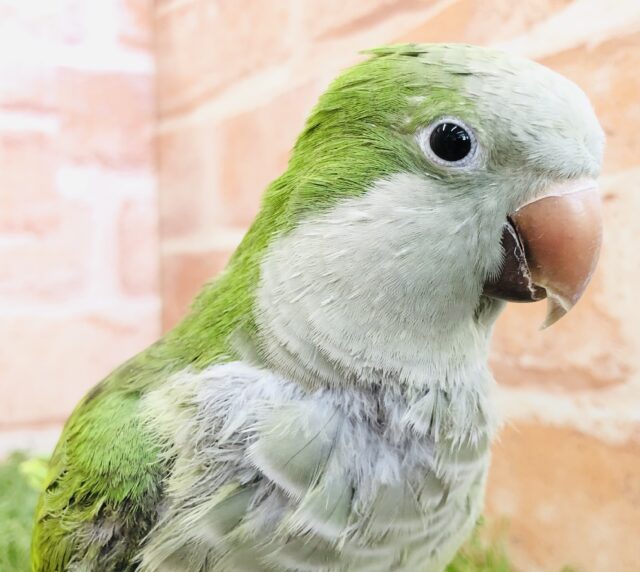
(551,248)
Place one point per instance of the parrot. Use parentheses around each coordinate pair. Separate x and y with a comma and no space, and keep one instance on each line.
(327,403)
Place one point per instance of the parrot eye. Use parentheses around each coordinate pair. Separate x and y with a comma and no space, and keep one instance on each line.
(449,142)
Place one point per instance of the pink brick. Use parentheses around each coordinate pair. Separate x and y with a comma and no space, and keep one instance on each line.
(27,170)
(36,219)
(106,118)
(27,85)
(482,21)
(322,18)
(138,248)
(52,261)
(609,74)
(567,499)
(577,353)
(48,363)
(183,275)
(135,22)
(213,174)
(255,148)
(202,46)
(187,178)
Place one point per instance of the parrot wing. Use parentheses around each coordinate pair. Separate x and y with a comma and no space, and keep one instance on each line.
(104,483)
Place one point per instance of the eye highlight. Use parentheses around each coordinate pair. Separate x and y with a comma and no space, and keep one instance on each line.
(449,142)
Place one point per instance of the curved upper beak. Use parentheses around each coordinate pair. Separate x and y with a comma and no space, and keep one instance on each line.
(551,247)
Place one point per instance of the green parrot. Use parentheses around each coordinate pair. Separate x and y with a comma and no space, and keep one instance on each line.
(327,403)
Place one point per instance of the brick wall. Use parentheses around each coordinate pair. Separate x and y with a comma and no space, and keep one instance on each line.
(236,79)
(78,233)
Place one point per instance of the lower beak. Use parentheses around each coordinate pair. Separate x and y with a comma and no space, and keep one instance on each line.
(551,248)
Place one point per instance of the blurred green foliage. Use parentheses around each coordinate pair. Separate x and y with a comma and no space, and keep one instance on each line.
(481,554)
(20,481)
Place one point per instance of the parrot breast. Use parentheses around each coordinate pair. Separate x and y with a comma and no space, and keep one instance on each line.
(269,476)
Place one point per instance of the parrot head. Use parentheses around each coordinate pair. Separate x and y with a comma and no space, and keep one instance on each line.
(460,169)
(430,184)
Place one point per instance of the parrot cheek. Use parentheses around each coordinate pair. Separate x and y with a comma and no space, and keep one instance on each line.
(551,248)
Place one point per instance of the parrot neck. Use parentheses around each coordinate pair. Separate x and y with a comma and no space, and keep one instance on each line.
(373,360)
(301,338)
(379,289)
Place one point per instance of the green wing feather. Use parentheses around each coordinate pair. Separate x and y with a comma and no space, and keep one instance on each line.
(103,486)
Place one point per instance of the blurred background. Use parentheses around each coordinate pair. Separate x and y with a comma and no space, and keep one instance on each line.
(136,138)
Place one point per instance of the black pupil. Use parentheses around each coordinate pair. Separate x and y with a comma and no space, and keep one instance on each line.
(450,142)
